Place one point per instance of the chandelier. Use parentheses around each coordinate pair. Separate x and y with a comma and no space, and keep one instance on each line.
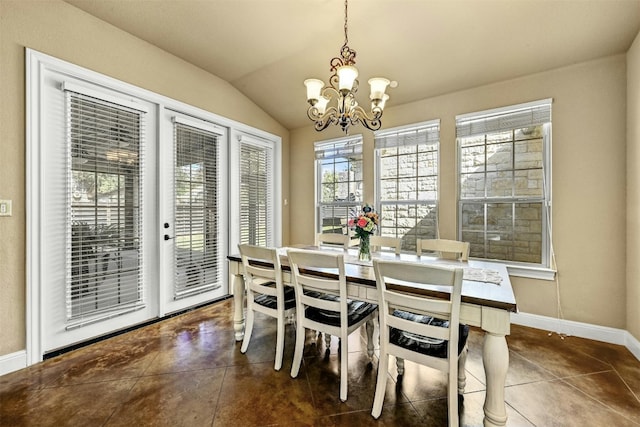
(336,103)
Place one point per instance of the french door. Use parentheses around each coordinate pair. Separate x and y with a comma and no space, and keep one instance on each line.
(133,202)
(97,240)
(131,215)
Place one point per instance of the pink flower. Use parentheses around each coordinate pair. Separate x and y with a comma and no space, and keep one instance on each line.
(351,222)
(362,222)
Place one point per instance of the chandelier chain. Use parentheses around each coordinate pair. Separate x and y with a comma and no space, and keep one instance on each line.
(346,37)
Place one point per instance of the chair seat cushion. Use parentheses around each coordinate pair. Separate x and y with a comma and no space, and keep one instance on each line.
(422,344)
(271,301)
(356,311)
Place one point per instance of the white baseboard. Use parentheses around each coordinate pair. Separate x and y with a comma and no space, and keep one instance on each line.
(13,362)
(18,360)
(578,329)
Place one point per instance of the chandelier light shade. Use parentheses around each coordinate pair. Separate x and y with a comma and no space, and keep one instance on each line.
(336,104)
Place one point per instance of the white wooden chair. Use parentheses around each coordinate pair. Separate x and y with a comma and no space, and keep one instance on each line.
(266,293)
(380,242)
(443,247)
(422,329)
(322,305)
(338,239)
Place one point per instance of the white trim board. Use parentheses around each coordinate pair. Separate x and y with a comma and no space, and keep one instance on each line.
(13,362)
(578,329)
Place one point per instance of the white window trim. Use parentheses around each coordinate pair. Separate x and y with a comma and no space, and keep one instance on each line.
(533,271)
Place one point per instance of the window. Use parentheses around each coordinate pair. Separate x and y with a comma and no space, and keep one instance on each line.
(407,182)
(256,191)
(338,183)
(504,171)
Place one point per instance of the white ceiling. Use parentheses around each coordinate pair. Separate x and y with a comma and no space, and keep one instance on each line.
(266,48)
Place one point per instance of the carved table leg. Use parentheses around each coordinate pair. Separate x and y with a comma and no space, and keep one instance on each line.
(237,281)
(495,357)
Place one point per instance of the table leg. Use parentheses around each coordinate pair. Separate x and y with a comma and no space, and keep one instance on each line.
(495,357)
(237,282)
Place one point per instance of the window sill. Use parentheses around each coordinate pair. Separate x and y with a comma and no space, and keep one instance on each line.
(540,273)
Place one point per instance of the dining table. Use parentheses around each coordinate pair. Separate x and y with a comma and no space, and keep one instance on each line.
(487,303)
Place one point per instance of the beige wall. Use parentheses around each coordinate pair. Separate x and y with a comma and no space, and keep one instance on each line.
(633,189)
(589,140)
(58,29)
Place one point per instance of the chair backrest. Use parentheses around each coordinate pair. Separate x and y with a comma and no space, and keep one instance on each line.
(262,266)
(442,247)
(344,240)
(309,287)
(395,297)
(379,242)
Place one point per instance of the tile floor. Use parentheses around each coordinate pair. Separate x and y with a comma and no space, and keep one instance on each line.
(188,371)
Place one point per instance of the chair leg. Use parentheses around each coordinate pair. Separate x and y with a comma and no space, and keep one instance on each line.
(297,355)
(369,328)
(248,329)
(453,398)
(344,367)
(381,383)
(462,373)
(327,340)
(400,365)
(279,342)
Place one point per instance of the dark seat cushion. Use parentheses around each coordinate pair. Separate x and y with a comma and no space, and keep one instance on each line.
(422,344)
(271,301)
(356,311)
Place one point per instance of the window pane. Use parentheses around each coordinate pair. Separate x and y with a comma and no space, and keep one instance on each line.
(472,159)
(499,157)
(472,185)
(409,222)
(528,232)
(427,188)
(499,184)
(388,190)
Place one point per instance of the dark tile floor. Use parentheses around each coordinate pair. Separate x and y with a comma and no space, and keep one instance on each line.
(188,371)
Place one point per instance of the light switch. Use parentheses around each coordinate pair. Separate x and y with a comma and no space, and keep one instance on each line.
(5,207)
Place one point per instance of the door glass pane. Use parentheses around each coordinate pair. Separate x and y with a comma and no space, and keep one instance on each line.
(197,256)
(104,267)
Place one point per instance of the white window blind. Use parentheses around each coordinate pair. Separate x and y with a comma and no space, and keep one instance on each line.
(104,193)
(198,258)
(256,192)
(338,183)
(504,119)
(407,182)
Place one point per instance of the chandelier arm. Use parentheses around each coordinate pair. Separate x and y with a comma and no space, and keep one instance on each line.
(330,90)
(371,122)
(313,114)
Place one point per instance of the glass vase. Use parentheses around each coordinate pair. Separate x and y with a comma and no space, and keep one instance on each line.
(364,254)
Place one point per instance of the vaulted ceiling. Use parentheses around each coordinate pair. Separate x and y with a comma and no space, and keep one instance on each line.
(266,48)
